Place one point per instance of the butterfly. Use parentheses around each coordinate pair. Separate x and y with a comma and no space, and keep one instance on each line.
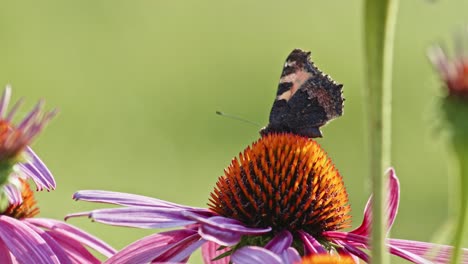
(306,98)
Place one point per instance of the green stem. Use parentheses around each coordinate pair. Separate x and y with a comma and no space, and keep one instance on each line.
(462,155)
(380,20)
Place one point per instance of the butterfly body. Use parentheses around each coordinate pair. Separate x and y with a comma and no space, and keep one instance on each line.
(306,98)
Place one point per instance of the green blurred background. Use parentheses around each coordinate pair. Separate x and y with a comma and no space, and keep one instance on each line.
(138,82)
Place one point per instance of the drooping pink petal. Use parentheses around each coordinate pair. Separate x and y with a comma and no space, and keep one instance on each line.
(252,254)
(151,247)
(62,257)
(181,251)
(225,223)
(211,250)
(280,242)
(220,236)
(291,255)
(140,217)
(73,234)
(127,199)
(25,244)
(224,231)
(76,252)
(311,245)
(5,255)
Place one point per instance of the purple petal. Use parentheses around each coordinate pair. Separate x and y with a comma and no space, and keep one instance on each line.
(53,244)
(251,254)
(74,234)
(210,250)
(221,230)
(5,255)
(350,249)
(13,110)
(182,250)
(312,246)
(77,253)
(25,244)
(5,100)
(140,217)
(219,236)
(226,224)
(151,247)
(291,256)
(31,116)
(346,237)
(37,171)
(127,199)
(280,243)
(437,253)
(13,194)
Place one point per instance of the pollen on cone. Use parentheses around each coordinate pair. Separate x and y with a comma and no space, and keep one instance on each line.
(28,208)
(283,181)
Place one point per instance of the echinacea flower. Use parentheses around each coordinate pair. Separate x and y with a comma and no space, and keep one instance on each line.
(453,71)
(454,106)
(17,160)
(24,239)
(282,194)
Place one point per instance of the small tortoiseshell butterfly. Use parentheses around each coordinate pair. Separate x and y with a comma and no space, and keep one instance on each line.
(306,98)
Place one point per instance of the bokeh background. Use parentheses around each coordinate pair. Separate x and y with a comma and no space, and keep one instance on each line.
(138,83)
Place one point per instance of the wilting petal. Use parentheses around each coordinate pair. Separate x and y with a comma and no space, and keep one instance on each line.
(280,243)
(73,234)
(25,244)
(311,245)
(250,254)
(141,217)
(151,247)
(211,250)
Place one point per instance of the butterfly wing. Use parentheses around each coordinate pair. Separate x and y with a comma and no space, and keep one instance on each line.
(306,98)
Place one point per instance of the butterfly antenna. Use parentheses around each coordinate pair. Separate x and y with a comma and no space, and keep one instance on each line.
(238,118)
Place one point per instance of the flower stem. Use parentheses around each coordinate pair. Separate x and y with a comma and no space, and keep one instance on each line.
(461,151)
(380,20)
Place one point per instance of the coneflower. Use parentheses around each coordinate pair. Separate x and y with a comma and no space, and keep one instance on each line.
(282,194)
